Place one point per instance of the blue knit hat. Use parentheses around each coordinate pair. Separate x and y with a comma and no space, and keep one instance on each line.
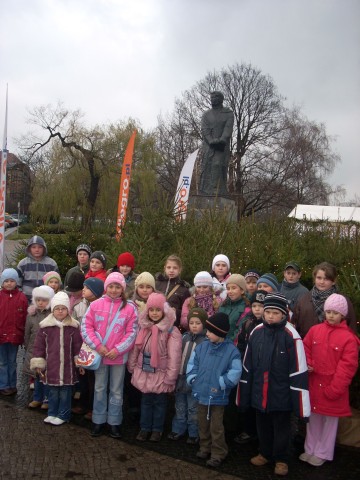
(95,285)
(9,274)
(270,280)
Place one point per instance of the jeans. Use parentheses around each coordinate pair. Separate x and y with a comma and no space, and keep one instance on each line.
(108,408)
(8,353)
(153,412)
(41,391)
(186,415)
(60,401)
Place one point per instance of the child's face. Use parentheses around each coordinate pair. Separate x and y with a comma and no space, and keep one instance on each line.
(155,314)
(257,309)
(95,265)
(203,289)
(214,338)
(251,286)
(195,325)
(83,258)
(220,270)
(144,290)
(88,294)
(334,318)
(9,284)
(125,270)
(273,315)
(41,303)
(172,269)
(114,290)
(291,275)
(234,292)
(37,251)
(323,283)
(54,284)
(266,287)
(60,312)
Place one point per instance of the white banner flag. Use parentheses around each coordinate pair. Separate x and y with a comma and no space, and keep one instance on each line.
(183,188)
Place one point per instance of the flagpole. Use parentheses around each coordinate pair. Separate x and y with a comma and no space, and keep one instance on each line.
(3,165)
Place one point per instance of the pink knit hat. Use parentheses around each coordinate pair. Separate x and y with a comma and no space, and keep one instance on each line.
(156,300)
(337,303)
(203,279)
(49,275)
(115,277)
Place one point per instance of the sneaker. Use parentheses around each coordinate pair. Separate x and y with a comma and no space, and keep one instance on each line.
(242,438)
(155,436)
(281,468)
(32,385)
(202,455)
(142,436)
(192,440)
(316,461)
(174,436)
(44,406)
(57,421)
(305,457)
(34,404)
(259,460)
(49,419)
(214,462)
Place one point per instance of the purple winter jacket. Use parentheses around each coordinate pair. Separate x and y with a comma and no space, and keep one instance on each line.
(56,347)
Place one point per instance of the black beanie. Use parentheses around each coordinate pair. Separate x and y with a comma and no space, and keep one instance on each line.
(75,282)
(199,313)
(276,301)
(258,297)
(218,324)
(99,255)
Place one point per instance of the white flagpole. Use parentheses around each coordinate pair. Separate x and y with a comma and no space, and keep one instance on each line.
(183,188)
(3,165)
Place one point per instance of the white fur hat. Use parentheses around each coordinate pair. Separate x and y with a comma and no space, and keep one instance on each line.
(44,291)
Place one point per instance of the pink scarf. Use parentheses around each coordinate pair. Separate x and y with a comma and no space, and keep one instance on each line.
(141,341)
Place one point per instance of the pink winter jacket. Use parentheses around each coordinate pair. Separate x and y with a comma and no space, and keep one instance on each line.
(164,378)
(98,319)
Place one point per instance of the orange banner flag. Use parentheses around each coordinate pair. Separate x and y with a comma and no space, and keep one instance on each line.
(125,186)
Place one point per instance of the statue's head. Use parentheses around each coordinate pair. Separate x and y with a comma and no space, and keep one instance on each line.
(216,98)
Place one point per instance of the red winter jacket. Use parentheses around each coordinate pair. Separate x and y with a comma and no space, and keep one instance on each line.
(332,351)
(13,311)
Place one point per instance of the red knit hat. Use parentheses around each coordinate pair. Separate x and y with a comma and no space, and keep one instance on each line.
(126,258)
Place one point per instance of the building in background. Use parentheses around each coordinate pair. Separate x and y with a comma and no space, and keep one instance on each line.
(18,185)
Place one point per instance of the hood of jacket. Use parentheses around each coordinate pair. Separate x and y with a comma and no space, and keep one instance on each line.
(39,241)
(165,323)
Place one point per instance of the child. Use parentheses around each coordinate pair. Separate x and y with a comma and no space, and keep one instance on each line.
(274,382)
(57,344)
(252,320)
(125,264)
(97,266)
(251,278)
(114,317)
(83,253)
(74,288)
(37,311)
(13,307)
(220,271)
(236,304)
(53,280)
(185,404)
(332,351)
(154,363)
(144,286)
(291,287)
(268,282)
(92,290)
(203,297)
(172,286)
(213,370)
(36,263)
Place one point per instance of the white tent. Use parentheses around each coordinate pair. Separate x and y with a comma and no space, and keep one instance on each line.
(325,212)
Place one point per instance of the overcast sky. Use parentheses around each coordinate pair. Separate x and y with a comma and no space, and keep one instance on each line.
(119,58)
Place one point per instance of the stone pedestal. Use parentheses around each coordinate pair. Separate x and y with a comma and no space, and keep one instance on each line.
(202,203)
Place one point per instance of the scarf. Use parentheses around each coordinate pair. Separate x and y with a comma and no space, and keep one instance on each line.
(318,298)
(205,302)
(141,341)
(290,285)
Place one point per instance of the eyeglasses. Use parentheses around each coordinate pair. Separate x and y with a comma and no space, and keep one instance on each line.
(60,309)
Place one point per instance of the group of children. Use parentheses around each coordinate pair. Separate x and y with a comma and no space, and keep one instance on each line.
(227,334)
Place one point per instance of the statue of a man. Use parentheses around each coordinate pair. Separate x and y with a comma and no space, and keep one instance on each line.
(216,128)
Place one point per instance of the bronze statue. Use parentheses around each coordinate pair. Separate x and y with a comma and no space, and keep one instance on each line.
(216,128)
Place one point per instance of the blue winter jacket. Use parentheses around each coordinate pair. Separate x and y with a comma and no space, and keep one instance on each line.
(213,370)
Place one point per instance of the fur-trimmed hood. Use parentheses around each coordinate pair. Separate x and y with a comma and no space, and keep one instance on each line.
(165,323)
(50,321)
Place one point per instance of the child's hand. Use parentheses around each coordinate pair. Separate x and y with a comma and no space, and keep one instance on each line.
(82,371)
(103,351)
(310,368)
(112,354)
